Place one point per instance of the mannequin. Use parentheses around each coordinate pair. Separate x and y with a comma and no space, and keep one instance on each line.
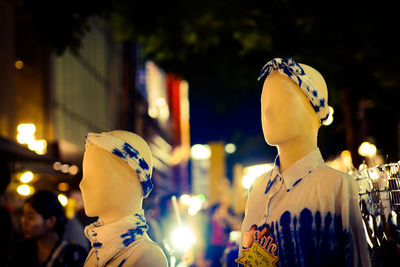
(301,213)
(117,170)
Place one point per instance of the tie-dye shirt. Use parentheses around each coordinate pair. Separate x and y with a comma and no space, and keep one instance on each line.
(312,214)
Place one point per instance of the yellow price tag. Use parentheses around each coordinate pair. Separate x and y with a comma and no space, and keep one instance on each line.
(256,256)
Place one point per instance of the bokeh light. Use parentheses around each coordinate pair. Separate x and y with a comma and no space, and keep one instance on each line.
(183,238)
(26,177)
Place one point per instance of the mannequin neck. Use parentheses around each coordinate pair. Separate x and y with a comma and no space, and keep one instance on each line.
(116,214)
(293,150)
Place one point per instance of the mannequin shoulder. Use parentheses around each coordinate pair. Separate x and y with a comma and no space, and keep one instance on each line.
(147,253)
(332,177)
(260,181)
(335,174)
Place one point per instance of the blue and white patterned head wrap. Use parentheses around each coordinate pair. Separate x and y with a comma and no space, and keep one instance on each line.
(296,73)
(134,157)
(109,240)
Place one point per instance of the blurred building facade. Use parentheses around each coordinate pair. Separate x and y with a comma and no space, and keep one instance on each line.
(105,86)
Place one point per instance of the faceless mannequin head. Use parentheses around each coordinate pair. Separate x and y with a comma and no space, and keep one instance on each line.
(110,187)
(286,112)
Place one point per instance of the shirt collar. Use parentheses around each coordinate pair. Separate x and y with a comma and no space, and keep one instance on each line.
(276,170)
(273,174)
(302,168)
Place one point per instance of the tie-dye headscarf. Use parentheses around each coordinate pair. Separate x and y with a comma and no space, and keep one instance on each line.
(296,73)
(127,153)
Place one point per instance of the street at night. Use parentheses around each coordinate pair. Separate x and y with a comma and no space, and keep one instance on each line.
(199,133)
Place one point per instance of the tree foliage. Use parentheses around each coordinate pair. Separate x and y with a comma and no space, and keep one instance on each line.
(336,39)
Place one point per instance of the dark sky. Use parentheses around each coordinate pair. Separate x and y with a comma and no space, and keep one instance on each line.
(209,125)
(238,123)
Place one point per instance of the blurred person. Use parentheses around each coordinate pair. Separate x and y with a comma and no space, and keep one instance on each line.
(74,233)
(74,229)
(42,223)
(222,222)
(5,217)
(231,250)
(198,223)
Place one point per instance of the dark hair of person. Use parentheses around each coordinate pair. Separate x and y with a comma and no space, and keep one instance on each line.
(214,208)
(46,204)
